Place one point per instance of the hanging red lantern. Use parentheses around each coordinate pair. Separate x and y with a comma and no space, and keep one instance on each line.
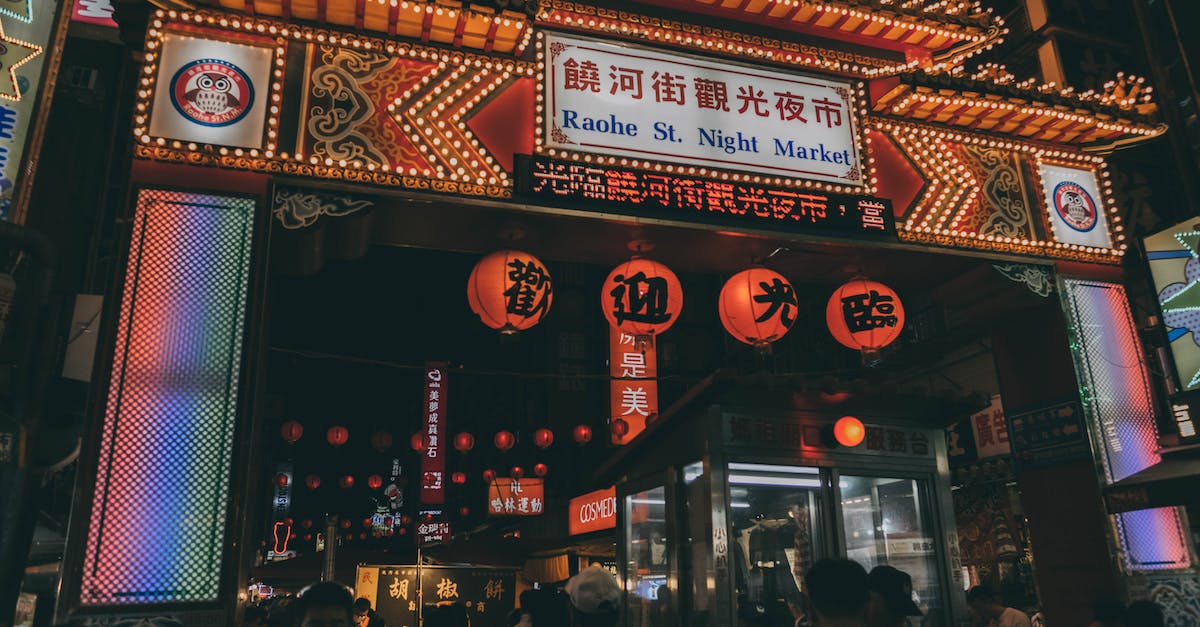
(417,441)
(291,431)
(308,537)
(281,480)
(464,511)
(362,536)
(374,482)
(540,469)
(619,427)
(757,306)
(345,523)
(381,441)
(504,440)
(337,435)
(849,431)
(865,316)
(458,478)
(583,434)
(489,476)
(403,531)
(642,297)
(543,438)
(312,481)
(347,481)
(464,442)
(405,519)
(517,472)
(510,291)
(367,522)
(307,524)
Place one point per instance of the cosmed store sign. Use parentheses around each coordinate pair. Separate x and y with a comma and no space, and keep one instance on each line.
(636,102)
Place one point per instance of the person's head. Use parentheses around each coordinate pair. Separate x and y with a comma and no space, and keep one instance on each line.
(255,616)
(325,604)
(1108,611)
(520,617)
(1144,614)
(985,602)
(595,596)
(891,597)
(838,590)
(362,607)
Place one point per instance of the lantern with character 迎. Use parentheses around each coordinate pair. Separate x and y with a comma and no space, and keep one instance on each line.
(866,316)
(642,298)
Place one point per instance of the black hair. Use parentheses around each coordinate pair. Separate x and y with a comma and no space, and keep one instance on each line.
(1144,614)
(838,587)
(255,613)
(324,594)
(982,592)
(362,603)
(514,616)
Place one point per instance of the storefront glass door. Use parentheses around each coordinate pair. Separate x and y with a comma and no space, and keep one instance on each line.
(648,557)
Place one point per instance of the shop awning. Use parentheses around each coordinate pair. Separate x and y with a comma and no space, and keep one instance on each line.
(1173,481)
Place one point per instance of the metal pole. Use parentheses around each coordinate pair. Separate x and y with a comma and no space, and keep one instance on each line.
(420,589)
(331,543)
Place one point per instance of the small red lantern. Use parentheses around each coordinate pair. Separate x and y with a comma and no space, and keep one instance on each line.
(308,537)
(458,478)
(374,482)
(381,441)
(642,297)
(367,522)
(417,442)
(510,291)
(281,480)
(504,440)
(337,435)
(489,475)
(307,524)
(464,442)
(291,431)
(403,531)
(345,523)
(619,427)
(464,511)
(517,472)
(849,431)
(387,521)
(758,306)
(540,469)
(362,536)
(405,519)
(543,438)
(583,434)
(312,481)
(347,481)
(865,316)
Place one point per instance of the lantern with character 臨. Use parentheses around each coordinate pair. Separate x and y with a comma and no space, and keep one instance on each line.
(642,298)
(510,291)
(758,306)
(866,316)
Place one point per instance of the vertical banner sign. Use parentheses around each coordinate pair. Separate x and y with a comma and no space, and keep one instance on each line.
(633,366)
(433,461)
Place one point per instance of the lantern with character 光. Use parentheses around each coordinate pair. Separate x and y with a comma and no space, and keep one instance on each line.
(510,291)
(758,306)
(642,298)
(866,316)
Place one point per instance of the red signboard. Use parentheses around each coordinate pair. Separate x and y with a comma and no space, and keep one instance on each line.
(99,12)
(433,460)
(633,366)
(516,497)
(631,359)
(594,511)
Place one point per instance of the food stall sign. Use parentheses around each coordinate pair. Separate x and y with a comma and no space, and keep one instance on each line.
(516,497)
(594,511)
(639,103)
(487,595)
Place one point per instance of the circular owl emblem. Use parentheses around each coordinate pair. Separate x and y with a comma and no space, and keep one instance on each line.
(212,92)
(1075,206)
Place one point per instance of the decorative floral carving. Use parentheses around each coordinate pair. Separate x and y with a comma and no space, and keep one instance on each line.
(297,208)
(1039,279)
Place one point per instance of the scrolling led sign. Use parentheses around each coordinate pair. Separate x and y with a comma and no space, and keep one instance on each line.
(695,199)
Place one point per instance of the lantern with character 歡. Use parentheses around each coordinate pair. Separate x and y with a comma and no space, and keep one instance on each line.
(866,316)
(642,298)
(510,291)
(758,306)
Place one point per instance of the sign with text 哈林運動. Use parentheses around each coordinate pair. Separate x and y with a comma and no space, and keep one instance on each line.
(640,103)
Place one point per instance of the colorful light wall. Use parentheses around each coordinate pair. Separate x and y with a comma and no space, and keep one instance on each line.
(1114,386)
(157,526)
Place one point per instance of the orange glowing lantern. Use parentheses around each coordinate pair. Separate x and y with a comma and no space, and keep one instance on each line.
(347,481)
(381,441)
(540,469)
(458,478)
(374,482)
(865,316)
(543,438)
(281,480)
(417,442)
(642,298)
(517,472)
(337,435)
(291,431)
(583,434)
(504,440)
(464,442)
(510,291)
(464,511)
(312,481)
(849,431)
(757,306)
(489,476)
(620,427)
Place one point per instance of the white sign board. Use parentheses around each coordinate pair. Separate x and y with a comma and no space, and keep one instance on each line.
(1076,208)
(211,92)
(629,101)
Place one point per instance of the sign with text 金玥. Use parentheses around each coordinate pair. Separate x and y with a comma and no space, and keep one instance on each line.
(516,497)
(433,458)
(629,101)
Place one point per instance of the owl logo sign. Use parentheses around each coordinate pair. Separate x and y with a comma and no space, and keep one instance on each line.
(212,92)
(1075,206)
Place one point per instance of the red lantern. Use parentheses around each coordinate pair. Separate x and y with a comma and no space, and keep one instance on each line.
(337,435)
(517,472)
(308,537)
(849,431)
(374,482)
(345,523)
(307,524)
(540,469)
(405,519)
(866,316)
(642,297)
(417,442)
(403,531)
(291,431)
(367,522)
(583,434)
(458,478)
(464,511)
(619,427)
(362,536)
(464,442)
(757,306)
(281,480)
(489,476)
(312,481)
(543,438)
(504,440)
(347,481)
(381,441)
(510,291)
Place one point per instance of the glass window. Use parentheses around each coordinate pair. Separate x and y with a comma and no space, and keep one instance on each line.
(775,537)
(695,556)
(647,557)
(887,521)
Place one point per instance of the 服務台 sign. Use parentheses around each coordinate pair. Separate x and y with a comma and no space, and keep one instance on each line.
(631,101)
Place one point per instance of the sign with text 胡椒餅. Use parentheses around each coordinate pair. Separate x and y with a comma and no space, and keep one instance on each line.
(640,103)
(745,205)
(1048,435)
(487,594)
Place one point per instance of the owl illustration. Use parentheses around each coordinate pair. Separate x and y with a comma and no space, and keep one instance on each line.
(212,94)
(1076,207)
